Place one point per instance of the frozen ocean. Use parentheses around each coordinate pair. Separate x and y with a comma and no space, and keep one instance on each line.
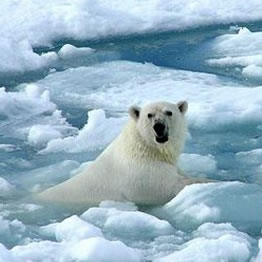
(69,70)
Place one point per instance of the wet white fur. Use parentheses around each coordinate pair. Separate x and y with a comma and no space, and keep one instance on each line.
(134,167)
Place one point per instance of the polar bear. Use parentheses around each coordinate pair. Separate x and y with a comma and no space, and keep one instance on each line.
(140,165)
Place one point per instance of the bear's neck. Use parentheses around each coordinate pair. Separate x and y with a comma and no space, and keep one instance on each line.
(137,148)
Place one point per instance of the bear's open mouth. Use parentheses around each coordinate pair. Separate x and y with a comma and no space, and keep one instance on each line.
(161,139)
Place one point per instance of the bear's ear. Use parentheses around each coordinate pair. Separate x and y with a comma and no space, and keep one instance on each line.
(134,112)
(182,106)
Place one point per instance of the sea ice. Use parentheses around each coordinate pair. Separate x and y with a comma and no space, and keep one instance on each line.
(70,51)
(89,19)
(97,133)
(122,219)
(227,248)
(30,106)
(100,250)
(233,202)
(199,165)
(125,83)
(41,134)
(239,51)
(5,188)
(75,229)
(18,57)
(40,178)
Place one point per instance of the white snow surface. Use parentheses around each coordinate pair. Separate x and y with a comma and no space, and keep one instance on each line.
(232,202)
(97,133)
(241,51)
(31,24)
(40,145)
(126,83)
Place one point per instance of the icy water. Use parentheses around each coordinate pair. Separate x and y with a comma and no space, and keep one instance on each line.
(65,100)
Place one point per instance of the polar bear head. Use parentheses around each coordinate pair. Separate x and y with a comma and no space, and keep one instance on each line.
(161,123)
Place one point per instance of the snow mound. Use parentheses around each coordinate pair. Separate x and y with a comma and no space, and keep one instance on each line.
(75,229)
(126,83)
(70,51)
(97,133)
(99,249)
(121,223)
(233,202)
(240,52)
(194,164)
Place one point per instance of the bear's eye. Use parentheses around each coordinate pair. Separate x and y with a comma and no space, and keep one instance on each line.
(169,113)
(150,115)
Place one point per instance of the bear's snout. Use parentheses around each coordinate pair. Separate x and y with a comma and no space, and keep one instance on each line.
(160,129)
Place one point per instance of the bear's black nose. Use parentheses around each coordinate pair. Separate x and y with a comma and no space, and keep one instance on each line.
(159,129)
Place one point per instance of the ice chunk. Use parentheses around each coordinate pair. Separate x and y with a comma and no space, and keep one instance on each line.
(227,248)
(253,161)
(5,255)
(30,112)
(253,157)
(248,43)
(70,51)
(137,224)
(95,19)
(41,134)
(99,249)
(8,147)
(40,251)
(43,177)
(99,216)
(97,133)
(259,255)
(252,71)
(214,231)
(122,222)
(11,231)
(75,229)
(194,164)
(5,188)
(18,57)
(134,83)
(240,51)
(233,202)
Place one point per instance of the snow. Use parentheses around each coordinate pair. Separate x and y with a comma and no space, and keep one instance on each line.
(5,254)
(75,229)
(97,133)
(36,251)
(252,71)
(18,57)
(8,147)
(199,165)
(18,110)
(137,224)
(124,219)
(73,101)
(40,178)
(11,231)
(50,21)
(5,187)
(125,83)
(100,250)
(88,19)
(232,202)
(259,255)
(225,248)
(239,51)
(70,51)
(40,134)
(78,241)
